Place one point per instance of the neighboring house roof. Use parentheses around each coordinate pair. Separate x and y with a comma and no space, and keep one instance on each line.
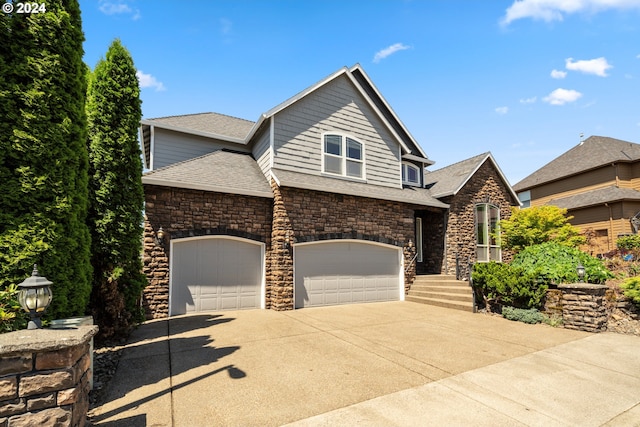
(221,171)
(596,197)
(448,180)
(593,152)
(413,195)
(209,123)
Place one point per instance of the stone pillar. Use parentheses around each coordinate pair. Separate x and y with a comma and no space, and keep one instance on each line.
(155,296)
(44,377)
(409,265)
(584,306)
(281,265)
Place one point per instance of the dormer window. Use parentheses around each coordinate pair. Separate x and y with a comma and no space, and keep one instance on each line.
(343,155)
(410,174)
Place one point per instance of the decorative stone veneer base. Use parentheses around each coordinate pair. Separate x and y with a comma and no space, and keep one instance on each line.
(584,306)
(44,377)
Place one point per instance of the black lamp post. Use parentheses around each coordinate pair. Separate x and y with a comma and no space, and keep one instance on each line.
(581,271)
(34,295)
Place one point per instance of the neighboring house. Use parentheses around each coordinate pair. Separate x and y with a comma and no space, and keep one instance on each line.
(598,182)
(323,200)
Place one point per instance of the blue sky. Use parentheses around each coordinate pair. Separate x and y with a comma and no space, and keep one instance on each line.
(522,79)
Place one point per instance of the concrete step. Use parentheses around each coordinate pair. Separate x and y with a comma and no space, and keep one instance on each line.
(442,295)
(456,305)
(435,277)
(453,289)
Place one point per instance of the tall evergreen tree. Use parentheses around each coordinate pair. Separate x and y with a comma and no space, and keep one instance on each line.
(116,194)
(43,154)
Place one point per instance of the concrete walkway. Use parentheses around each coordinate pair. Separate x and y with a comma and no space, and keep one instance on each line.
(381,364)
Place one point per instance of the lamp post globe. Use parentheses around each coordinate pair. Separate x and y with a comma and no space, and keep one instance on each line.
(34,295)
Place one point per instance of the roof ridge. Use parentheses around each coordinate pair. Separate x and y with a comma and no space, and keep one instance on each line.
(183,162)
(200,114)
(485,154)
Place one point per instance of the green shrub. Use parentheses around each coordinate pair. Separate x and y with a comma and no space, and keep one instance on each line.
(504,284)
(629,243)
(631,288)
(555,263)
(12,317)
(531,316)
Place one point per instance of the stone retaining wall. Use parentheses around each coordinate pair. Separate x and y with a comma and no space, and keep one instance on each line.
(582,306)
(44,377)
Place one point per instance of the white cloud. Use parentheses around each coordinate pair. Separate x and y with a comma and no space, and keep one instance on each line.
(529,100)
(502,110)
(555,10)
(562,96)
(557,74)
(598,66)
(147,80)
(118,7)
(382,54)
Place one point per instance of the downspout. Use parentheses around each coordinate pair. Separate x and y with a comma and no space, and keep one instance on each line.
(610,236)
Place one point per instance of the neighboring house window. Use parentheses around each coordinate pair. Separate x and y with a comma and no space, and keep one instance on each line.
(487,242)
(343,155)
(410,174)
(525,198)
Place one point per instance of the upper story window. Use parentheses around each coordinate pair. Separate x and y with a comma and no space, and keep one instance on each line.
(525,198)
(343,155)
(410,174)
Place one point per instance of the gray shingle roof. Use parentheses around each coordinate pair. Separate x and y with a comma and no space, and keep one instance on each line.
(449,179)
(220,171)
(213,123)
(595,151)
(413,195)
(596,197)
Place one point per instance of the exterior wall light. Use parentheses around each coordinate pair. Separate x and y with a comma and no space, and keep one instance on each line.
(581,272)
(160,237)
(286,245)
(34,295)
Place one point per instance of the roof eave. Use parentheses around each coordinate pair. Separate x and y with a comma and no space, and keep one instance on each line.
(149,180)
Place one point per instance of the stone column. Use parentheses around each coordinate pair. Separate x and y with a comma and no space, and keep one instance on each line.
(584,306)
(281,268)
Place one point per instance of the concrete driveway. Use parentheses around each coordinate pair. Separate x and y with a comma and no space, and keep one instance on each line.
(397,363)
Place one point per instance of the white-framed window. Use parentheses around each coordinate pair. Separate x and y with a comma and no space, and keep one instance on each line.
(487,233)
(525,198)
(410,174)
(342,155)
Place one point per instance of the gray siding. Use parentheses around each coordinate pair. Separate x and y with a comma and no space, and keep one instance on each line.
(337,106)
(172,147)
(261,150)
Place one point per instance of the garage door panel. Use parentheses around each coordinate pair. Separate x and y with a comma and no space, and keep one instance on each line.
(215,274)
(338,272)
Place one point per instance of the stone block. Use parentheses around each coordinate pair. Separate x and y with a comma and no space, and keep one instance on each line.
(8,388)
(41,402)
(12,407)
(45,382)
(63,358)
(16,364)
(57,417)
(69,396)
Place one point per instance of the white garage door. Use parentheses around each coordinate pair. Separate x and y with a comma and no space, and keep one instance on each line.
(215,273)
(344,272)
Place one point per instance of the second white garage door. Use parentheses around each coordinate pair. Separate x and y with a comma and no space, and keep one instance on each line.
(215,273)
(346,271)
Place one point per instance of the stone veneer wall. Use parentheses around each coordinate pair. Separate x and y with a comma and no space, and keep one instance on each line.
(484,187)
(584,306)
(306,215)
(44,377)
(186,213)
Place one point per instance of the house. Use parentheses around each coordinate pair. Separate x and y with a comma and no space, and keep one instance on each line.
(323,200)
(598,182)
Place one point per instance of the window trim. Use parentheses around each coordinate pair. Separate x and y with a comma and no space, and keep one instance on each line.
(408,165)
(488,246)
(344,159)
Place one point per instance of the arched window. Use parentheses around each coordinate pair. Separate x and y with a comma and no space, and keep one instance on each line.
(487,237)
(410,174)
(343,155)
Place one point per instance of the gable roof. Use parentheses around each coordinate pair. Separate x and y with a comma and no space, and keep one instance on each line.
(370,93)
(221,171)
(448,180)
(412,195)
(596,197)
(593,152)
